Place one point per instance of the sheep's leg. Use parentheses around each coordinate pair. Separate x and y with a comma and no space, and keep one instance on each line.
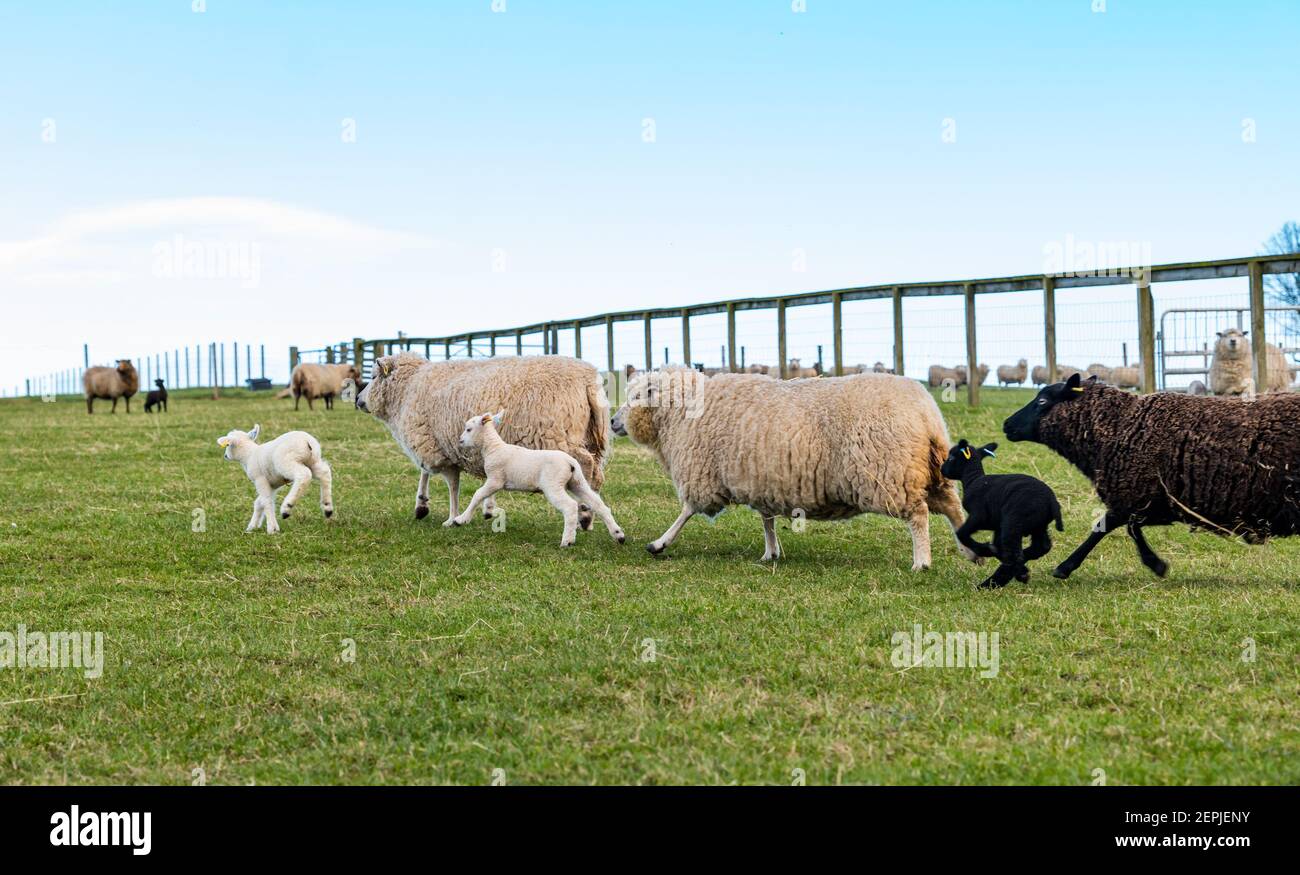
(566,505)
(452,477)
(90,405)
(771,545)
(1145,553)
(588,496)
(296,397)
(657,547)
(489,488)
(266,497)
(947,503)
(422,496)
(257,515)
(919,520)
(1040,544)
(311,405)
(972,547)
(321,470)
(1075,559)
(114,410)
(128,404)
(1000,577)
(489,507)
(301,479)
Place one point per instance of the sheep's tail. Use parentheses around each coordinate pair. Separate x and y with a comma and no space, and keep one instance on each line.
(597,422)
(1056,506)
(296,381)
(938,455)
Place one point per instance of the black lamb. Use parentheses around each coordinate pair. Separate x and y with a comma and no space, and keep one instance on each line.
(1011,506)
(1224,464)
(156,398)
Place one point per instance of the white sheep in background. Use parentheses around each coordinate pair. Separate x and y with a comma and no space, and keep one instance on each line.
(1232,368)
(555,474)
(294,457)
(1008,374)
(824,449)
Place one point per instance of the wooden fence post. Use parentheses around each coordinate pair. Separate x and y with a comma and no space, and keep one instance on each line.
(293,358)
(780,336)
(609,342)
(649,345)
(1049,325)
(837,329)
(519,342)
(1258,349)
(686,336)
(577,339)
(972,359)
(898,331)
(1146,333)
(731,337)
(358,354)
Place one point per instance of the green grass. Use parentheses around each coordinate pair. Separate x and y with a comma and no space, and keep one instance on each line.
(478,650)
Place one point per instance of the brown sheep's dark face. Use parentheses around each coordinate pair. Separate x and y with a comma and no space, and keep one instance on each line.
(1023,425)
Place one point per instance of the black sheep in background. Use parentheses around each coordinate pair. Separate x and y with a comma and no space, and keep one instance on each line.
(156,398)
(1011,506)
(1223,464)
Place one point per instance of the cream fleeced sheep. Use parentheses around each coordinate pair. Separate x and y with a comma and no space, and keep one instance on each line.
(796,371)
(113,383)
(1232,368)
(813,449)
(1127,377)
(1098,370)
(321,381)
(554,473)
(1008,374)
(938,375)
(981,369)
(294,457)
(555,403)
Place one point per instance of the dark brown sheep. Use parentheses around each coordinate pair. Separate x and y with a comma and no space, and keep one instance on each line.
(119,382)
(1223,464)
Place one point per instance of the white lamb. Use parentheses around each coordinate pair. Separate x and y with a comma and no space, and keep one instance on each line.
(294,457)
(554,473)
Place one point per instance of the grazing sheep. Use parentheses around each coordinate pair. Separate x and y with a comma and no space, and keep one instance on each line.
(321,381)
(1127,377)
(812,449)
(939,375)
(1231,369)
(556,403)
(294,457)
(1218,463)
(1039,375)
(156,398)
(982,370)
(1197,388)
(1008,374)
(877,368)
(1098,370)
(796,371)
(1011,506)
(119,382)
(756,368)
(553,473)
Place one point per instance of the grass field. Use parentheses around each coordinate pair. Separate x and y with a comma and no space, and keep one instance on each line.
(478,650)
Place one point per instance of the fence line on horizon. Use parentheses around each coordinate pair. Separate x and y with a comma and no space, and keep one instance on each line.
(202,366)
(567,336)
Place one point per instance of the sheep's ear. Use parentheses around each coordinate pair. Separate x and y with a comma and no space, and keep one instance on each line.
(498,416)
(988,449)
(1218,334)
(1072,384)
(485,419)
(223,441)
(384,366)
(1244,333)
(252,435)
(963,443)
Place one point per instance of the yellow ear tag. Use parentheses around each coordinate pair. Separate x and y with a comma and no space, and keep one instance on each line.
(223,441)
(966,453)
(1078,388)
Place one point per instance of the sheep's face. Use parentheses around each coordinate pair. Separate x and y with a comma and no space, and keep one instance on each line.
(636,418)
(125,368)
(1232,344)
(962,457)
(472,434)
(382,396)
(236,438)
(1023,425)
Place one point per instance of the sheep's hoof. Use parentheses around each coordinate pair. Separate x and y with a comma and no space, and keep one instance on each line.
(1023,577)
(421,511)
(920,566)
(1160,567)
(992,583)
(567,543)
(1061,572)
(584,521)
(329,513)
(620,537)
(449,523)
(284,514)
(488,514)
(653,549)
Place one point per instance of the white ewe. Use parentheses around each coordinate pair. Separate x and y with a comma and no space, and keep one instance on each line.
(555,474)
(294,457)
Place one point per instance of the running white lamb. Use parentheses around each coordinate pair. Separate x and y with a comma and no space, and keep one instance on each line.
(294,457)
(554,473)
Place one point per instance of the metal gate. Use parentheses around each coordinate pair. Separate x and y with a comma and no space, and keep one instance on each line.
(1187,335)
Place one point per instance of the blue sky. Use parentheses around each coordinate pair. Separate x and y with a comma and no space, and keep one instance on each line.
(515,140)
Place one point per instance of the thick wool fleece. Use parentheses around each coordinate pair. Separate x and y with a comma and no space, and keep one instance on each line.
(827,449)
(1232,367)
(321,381)
(1171,457)
(111,384)
(550,403)
(1008,374)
